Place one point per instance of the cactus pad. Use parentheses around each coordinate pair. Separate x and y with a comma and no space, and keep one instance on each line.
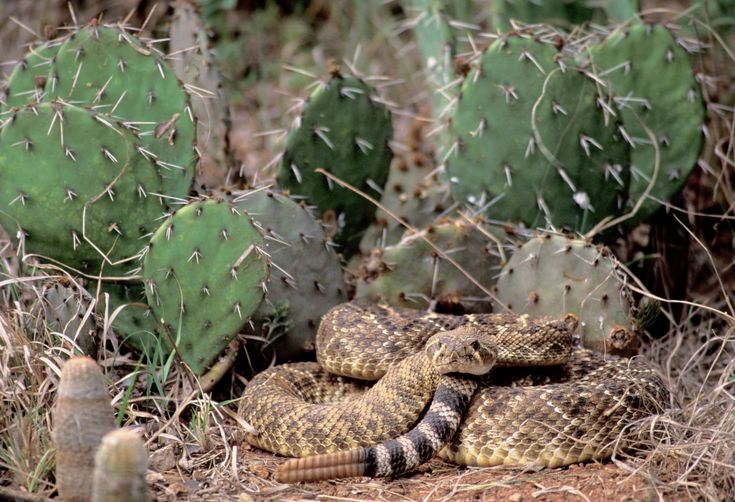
(653,83)
(344,130)
(411,274)
(533,142)
(554,275)
(204,273)
(58,161)
(108,69)
(65,308)
(194,64)
(413,192)
(306,277)
(135,324)
(27,82)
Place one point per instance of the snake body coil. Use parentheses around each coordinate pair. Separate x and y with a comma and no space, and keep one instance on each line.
(571,411)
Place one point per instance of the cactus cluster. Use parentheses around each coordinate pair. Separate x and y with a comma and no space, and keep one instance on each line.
(92,155)
(94,460)
(412,274)
(559,133)
(100,139)
(344,129)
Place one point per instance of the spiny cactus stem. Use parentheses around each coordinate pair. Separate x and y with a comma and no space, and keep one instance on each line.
(410,228)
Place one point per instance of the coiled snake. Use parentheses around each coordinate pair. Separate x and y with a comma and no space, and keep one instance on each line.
(573,409)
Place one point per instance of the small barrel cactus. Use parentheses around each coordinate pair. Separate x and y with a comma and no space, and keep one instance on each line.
(82,416)
(119,468)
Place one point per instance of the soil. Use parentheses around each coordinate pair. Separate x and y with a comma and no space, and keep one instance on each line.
(251,479)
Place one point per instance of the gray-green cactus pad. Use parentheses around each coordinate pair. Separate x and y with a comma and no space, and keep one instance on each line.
(554,275)
(306,277)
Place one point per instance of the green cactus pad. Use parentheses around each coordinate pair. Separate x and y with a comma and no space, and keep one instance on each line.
(57,159)
(554,275)
(437,44)
(27,82)
(344,130)
(653,83)
(558,13)
(205,274)
(410,273)
(533,143)
(306,277)
(108,69)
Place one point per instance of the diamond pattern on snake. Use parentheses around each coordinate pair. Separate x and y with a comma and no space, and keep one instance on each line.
(478,389)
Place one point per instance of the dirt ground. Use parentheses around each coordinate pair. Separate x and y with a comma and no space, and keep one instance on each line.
(251,479)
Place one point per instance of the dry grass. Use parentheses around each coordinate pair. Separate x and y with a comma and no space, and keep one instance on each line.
(195,439)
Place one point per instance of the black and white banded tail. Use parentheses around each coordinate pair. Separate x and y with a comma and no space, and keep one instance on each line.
(395,456)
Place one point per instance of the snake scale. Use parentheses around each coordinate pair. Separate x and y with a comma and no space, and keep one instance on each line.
(544,404)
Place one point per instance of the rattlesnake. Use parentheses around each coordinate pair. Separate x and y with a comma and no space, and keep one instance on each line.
(572,410)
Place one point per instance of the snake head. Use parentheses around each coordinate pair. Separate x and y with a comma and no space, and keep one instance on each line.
(461,350)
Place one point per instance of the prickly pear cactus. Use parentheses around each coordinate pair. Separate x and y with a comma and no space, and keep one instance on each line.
(109,69)
(345,130)
(82,416)
(559,13)
(194,64)
(306,277)
(119,468)
(437,43)
(413,192)
(535,142)
(205,275)
(554,275)
(411,274)
(67,312)
(74,186)
(655,89)
(27,82)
